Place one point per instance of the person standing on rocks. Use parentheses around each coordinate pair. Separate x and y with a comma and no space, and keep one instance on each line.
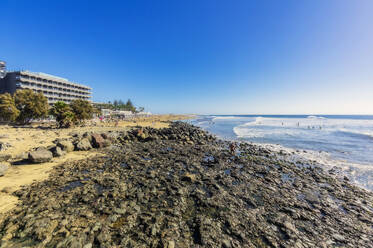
(232,148)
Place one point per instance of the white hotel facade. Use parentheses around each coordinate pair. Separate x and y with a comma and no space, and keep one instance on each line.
(53,87)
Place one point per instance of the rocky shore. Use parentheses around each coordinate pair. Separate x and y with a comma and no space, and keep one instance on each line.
(18,168)
(182,187)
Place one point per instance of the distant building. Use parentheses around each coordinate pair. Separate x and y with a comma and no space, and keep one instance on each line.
(144,113)
(122,113)
(53,87)
(2,69)
(106,112)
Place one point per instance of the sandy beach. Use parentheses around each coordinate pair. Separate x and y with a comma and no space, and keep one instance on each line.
(20,140)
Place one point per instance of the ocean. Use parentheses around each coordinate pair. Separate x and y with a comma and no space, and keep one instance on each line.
(341,142)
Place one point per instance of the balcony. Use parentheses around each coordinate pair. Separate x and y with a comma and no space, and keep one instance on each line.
(41,85)
(65,86)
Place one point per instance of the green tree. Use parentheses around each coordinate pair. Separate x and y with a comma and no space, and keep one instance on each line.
(82,109)
(8,110)
(97,111)
(31,105)
(129,106)
(118,105)
(63,113)
(115,103)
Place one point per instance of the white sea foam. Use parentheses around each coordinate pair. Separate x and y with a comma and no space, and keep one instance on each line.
(225,118)
(360,174)
(296,125)
(286,122)
(315,117)
(202,122)
(244,132)
(356,132)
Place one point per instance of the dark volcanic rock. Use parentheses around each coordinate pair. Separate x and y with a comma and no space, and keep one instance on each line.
(66,145)
(98,141)
(22,156)
(5,157)
(180,187)
(57,151)
(4,146)
(40,156)
(83,145)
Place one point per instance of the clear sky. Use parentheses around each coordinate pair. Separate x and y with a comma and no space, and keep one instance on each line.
(208,57)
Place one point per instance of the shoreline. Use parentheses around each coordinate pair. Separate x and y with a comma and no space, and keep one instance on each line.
(340,160)
(321,159)
(182,187)
(324,160)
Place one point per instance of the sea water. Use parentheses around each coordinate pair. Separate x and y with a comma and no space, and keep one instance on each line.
(343,142)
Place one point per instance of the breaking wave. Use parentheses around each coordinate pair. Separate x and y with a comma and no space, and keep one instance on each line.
(364,134)
(225,118)
(315,117)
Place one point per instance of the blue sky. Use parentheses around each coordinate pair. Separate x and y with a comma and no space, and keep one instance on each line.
(208,57)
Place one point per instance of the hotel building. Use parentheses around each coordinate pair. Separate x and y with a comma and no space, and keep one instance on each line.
(54,88)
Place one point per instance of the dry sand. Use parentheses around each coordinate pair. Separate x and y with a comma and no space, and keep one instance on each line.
(23,139)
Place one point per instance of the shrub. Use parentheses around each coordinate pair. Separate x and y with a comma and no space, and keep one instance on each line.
(63,113)
(31,105)
(8,110)
(82,109)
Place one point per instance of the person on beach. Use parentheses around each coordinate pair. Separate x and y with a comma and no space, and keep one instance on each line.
(232,148)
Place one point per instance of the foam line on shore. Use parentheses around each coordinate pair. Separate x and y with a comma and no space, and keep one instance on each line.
(327,162)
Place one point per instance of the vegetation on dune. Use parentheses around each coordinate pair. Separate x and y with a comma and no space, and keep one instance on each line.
(8,110)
